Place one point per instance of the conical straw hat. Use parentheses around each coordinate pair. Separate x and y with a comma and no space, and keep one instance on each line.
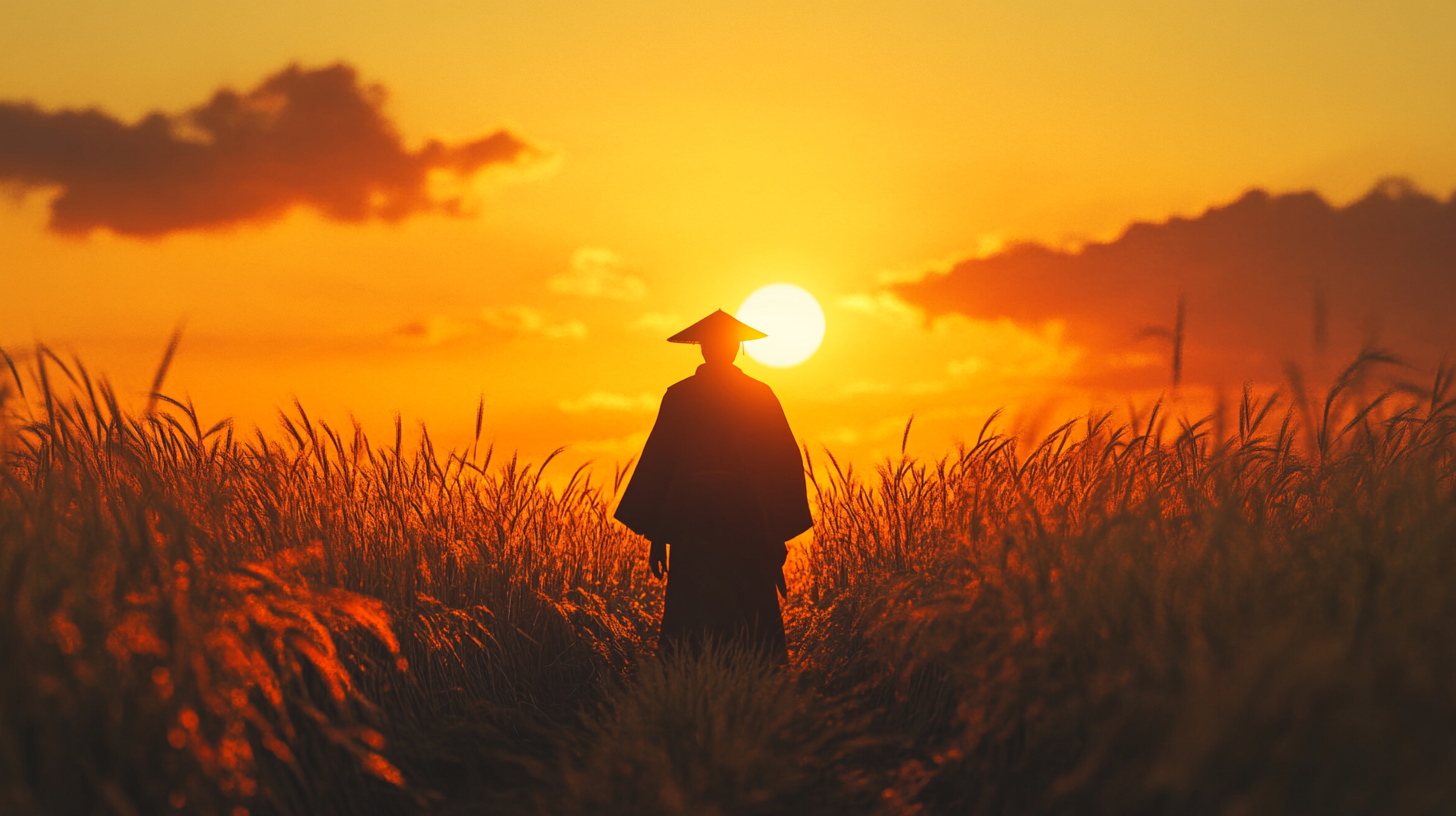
(717,326)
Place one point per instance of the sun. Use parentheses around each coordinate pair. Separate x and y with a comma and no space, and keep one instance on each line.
(791,318)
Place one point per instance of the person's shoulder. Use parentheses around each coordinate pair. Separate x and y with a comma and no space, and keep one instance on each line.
(748,382)
(680,389)
(756,392)
(704,381)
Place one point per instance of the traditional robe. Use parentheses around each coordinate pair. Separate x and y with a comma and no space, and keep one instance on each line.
(721,480)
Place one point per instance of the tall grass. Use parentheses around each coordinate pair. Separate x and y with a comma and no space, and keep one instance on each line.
(189,606)
(720,732)
(1160,616)
(1153,618)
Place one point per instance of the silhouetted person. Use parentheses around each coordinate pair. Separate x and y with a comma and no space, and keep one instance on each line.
(721,480)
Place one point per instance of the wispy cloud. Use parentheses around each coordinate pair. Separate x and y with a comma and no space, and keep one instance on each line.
(885,306)
(432,331)
(657,323)
(610,401)
(598,273)
(526,320)
(510,321)
(986,245)
(302,137)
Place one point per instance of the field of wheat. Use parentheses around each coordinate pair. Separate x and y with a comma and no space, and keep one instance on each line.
(1244,614)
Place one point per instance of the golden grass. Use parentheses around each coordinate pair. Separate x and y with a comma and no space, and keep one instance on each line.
(1134,620)
(209,596)
(1158,616)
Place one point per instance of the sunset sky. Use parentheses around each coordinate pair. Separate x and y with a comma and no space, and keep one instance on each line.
(540,192)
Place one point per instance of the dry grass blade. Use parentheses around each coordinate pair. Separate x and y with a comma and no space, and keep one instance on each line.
(161,376)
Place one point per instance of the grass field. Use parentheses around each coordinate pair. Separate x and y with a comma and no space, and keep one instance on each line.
(1242,615)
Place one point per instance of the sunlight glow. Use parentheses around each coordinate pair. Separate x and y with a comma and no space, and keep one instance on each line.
(792,319)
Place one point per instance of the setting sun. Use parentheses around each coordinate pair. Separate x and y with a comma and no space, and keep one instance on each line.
(792,319)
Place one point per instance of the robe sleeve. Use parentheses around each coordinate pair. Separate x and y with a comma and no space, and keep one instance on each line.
(645,501)
(779,471)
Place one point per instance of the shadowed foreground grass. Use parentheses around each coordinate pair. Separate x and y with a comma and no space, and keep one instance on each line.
(1157,617)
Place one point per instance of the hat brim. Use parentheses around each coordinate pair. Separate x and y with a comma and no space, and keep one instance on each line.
(718,326)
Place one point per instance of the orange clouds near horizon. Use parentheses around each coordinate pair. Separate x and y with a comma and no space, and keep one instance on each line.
(302,137)
(1266,280)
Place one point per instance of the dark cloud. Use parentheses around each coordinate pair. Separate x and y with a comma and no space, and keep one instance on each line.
(310,137)
(1267,279)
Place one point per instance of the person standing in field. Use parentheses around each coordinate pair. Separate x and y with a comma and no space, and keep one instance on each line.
(721,482)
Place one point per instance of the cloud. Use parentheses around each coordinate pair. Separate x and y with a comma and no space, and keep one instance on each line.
(525,320)
(886,306)
(988,244)
(610,401)
(1266,278)
(510,321)
(433,331)
(314,138)
(658,323)
(597,272)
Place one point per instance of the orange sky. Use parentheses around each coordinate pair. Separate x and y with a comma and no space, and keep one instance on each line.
(690,153)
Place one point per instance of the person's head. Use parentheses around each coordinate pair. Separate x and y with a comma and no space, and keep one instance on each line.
(719,350)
